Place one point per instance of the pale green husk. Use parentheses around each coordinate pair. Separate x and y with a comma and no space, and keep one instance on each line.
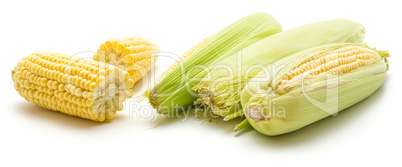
(174,92)
(221,88)
(310,101)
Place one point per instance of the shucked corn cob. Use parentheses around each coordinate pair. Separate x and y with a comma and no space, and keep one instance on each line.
(174,92)
(78,87)
(134,54)
(312,85)
(220,89)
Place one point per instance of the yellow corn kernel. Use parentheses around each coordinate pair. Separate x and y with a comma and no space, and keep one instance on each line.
(134,54)
(330,62)
(68,84)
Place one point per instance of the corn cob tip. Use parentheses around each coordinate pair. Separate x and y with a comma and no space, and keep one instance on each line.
(362,28)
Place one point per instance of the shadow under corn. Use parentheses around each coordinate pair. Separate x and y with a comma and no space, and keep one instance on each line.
(204,122)
(318,129)
(308,134)
(37,113)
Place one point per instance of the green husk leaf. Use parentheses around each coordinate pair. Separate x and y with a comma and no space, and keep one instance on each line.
(174,92)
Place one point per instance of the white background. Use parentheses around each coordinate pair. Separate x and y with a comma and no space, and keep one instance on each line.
(368,133)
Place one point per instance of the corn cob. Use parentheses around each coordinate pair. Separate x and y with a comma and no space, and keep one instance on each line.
(220,89)
(134,54)
(78,87)
(174,92)
(312,85)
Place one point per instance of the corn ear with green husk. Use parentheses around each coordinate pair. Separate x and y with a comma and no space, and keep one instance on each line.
(220,89)
(174,93)
(311,85)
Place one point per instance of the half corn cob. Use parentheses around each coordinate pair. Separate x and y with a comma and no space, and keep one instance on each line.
(78,87)
(174,92)
(312,85)
(134,54)
(220,89)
